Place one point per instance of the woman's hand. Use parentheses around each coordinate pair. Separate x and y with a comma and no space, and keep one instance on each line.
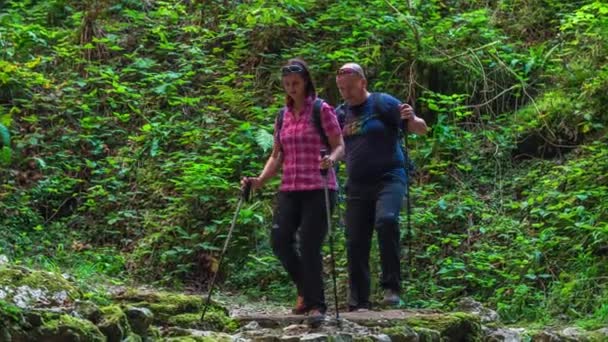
(326,162)
(255,182)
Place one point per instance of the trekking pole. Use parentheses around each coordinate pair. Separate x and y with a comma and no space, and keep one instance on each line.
(325,174)
(408,206)
(244,197)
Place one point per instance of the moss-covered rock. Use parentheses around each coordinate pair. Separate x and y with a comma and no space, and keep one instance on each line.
(26,288)
(401,334)
(12,323)
(87,310)
(452,327)
(68,328)
(10,312)
(179,310)
(165,304)
(133,338)
(314,337)
(33,319)
(153,334)
(196,339)
(180,334)
(139,319)
(569,334)
(599,335)
(187,320)
(427,335)
(362,339)
(341,337)
(114,324)
(214,320)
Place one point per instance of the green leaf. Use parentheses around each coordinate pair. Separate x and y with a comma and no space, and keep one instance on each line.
(40,162)
(5,138)
(442,204)
(5,155)
(154,148)
(264,139)
(5,119)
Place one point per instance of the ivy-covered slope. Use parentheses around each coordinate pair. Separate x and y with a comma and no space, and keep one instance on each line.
(131,123)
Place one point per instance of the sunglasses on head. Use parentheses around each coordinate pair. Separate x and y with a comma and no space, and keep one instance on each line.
(348,71)
(290,69)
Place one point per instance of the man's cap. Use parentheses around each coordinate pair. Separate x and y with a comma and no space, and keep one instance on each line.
(351,68)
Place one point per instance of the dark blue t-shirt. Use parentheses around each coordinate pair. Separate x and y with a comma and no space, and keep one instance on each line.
(372,140)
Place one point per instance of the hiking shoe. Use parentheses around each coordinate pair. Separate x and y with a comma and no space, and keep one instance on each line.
(391,298)
(315,318)
(360,308)
(300,307)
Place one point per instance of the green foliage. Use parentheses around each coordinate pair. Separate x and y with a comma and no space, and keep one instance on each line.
(132,123)
(267,276)
(10,311)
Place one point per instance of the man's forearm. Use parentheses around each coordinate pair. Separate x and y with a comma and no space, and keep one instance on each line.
(417,126)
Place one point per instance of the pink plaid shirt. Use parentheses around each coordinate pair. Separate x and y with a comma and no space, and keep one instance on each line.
(301,144)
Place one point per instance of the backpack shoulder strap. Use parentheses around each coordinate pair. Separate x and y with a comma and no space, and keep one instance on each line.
(377,99)
(376,102)
(280,116)
(316,118)
(341,114)
(378,106)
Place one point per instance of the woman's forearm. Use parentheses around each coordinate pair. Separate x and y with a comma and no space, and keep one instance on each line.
(271,168)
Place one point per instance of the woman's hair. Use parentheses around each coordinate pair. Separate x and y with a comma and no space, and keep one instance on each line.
(297,65)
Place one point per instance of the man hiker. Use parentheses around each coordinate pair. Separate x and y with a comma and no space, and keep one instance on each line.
(376,182)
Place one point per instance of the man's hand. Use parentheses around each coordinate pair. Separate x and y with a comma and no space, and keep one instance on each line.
(406,111)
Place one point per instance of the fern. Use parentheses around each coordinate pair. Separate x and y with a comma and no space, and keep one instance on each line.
(264,139)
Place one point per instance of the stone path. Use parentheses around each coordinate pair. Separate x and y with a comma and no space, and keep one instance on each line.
(366,318)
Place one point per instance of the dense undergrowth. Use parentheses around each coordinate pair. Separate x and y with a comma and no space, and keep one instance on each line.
(131,123)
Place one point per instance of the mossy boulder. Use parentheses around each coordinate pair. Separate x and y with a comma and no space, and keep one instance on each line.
(430,326)
(181,310)
(214,320)
(452,327)
(12,323)
(10,312)
(31,288)
(198,339)
(428,335)
(133,338)
(139,319)
(68,328)
(114,324)
(87,310)
(162,304)
(154,333)
(564,334)
(192,335)
(401,334)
